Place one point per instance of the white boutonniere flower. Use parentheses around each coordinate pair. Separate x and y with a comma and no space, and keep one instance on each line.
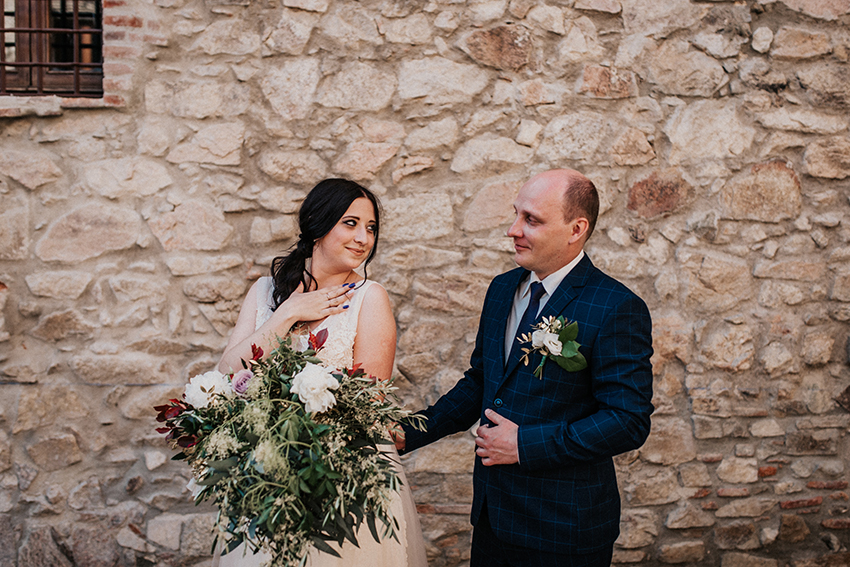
(554,338)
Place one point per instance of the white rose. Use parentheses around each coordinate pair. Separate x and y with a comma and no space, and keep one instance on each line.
(537,338)
(200,388)
(313,385)
(552,344)
(541,338)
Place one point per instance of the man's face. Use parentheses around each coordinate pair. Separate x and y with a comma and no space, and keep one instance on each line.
(542,238)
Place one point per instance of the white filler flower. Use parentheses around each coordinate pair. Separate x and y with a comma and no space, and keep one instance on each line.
(549,340)
(313,386)
(200,388)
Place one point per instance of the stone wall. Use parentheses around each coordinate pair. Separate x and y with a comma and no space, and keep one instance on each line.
(131,226)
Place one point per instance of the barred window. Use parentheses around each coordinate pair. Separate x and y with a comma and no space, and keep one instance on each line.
(51,47)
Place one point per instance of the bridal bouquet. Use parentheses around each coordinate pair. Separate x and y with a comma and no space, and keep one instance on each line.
(288,450)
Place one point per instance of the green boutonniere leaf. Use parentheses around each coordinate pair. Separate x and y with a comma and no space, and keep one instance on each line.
(574,364)
(569,332)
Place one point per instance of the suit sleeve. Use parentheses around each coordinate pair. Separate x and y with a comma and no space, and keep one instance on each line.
(460,407)
(621,379)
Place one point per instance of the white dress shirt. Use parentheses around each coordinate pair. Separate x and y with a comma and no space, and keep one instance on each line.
(522,296)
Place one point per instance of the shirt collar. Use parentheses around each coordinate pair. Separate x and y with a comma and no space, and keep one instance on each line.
(553,280)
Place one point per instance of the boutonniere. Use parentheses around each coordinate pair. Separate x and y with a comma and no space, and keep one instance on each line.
(554,338)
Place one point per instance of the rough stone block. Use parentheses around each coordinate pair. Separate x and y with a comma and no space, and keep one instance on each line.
(193,225)
(55,452)
(608,82)
(737,535)
(768,192)
(638,528)
(502,47)
(41,550)
(662,192)
(686,552)
(88,232)
(811,443)
(440,80)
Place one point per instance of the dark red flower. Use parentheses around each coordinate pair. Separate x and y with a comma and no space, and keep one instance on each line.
(256,352)
(317,341)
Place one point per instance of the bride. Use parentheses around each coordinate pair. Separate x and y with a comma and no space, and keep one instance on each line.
(315,287)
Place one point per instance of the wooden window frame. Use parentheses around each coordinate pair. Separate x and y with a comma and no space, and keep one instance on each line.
(34,73)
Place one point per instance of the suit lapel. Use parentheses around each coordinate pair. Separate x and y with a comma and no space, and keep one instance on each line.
(563,295)
(503,303)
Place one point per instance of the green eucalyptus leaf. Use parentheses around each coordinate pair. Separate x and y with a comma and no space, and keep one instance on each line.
(234,543)
(212,479)
(223,465)
(370,521)
(324,547)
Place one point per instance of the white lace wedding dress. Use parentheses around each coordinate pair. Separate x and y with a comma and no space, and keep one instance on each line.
(409,550)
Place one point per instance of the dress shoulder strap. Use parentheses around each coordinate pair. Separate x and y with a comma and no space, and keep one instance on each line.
(265,290)
(360,291)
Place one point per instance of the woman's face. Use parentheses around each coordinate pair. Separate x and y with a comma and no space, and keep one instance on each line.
(349,242)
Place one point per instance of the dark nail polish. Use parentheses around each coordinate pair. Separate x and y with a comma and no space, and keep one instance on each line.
(345,306)
(351,285)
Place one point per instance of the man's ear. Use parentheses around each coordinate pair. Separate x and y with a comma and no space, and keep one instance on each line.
(578,230)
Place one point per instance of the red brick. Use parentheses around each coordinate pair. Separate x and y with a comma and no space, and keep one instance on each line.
(767,471)
(839,496)
(123,21)
(804,503)
(114,100)
(120,52)
(113,69)
(113,3)
(710,457)
(114,35)
(425,508)
(827,484)
(836,523)
(733,492)
(117,84)
(711,505)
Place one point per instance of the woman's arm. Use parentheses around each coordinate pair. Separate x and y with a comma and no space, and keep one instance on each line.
(300,306)
(374,343)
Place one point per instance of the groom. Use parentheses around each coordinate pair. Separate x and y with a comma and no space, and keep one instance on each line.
(545,489)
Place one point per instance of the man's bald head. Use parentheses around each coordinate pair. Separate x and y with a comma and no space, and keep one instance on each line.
(579,194)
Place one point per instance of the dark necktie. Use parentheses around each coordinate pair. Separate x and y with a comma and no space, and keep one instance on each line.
(525,324)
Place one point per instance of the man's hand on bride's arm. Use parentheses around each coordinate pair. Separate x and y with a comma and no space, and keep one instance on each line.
(397,435)
(497,443)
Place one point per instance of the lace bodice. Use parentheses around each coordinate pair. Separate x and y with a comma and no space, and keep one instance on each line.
(338,351)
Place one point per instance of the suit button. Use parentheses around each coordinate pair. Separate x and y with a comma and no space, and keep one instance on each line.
(497,402)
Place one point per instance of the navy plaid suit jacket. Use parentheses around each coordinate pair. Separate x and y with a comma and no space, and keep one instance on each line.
(562,497)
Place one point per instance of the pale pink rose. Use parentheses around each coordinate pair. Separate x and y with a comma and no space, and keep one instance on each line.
(239,384)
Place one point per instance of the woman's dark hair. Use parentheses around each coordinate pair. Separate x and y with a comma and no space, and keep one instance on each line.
(320,211)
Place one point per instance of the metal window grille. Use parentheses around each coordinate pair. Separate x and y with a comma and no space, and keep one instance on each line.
(51,47)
